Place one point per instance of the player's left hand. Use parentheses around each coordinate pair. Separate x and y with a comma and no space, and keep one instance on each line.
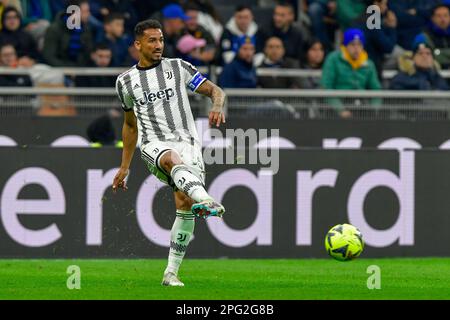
(119,180)
(216,117)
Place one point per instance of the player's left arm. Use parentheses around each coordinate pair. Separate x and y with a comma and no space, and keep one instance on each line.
(218,96)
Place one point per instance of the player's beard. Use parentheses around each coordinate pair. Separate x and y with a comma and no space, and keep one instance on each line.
(156,58)
(152,58)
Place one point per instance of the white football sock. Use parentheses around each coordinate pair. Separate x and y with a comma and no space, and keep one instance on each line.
(189,183)
(180,235)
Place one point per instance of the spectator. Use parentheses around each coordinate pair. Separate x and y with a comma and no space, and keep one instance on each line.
(37,16)
(241,72)
(283,27)
(116,39)
(101,57)
(173,18)
(274,57)
(349,68)
(65,47)
(103,8)
(208,18)
(313,60)
(437,35)
(191,49)
(412,16)
(240,25)
(419,74)
(9,59)
(207,54)
(13,33)
(8,3)
(346,13)
(381,42)
(96,25)
(39,73)
(322,14)
(133,56)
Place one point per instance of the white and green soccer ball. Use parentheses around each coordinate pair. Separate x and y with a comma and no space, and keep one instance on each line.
(344,242)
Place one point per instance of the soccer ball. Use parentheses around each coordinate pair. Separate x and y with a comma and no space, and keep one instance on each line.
(344,242)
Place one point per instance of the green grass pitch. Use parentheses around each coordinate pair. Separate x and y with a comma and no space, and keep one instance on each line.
(227,279)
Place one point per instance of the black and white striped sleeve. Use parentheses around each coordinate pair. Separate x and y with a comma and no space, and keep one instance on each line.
(191,76)
(127,103)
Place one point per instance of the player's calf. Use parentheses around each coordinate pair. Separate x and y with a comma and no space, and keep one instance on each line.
(191,185)
(182,176)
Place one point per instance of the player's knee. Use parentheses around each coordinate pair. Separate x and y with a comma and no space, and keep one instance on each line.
(169,160)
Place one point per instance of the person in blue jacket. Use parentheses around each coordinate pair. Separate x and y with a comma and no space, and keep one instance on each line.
(240,73)
(422,74)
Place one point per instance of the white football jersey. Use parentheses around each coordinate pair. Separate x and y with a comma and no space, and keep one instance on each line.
(158,97)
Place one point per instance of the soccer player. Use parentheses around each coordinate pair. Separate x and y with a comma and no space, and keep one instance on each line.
(157,112)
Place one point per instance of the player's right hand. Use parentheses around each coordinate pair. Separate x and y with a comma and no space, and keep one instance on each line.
(119,180)
(216,117)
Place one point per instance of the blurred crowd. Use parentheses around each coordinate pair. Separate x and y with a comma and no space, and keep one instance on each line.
(413,36)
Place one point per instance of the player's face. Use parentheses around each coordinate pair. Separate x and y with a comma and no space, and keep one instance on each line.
(151,45)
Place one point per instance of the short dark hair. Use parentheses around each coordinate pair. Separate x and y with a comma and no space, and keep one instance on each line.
(101,46)
(438,6)
(144,25)
(242,7)
(286,5)
(113,16)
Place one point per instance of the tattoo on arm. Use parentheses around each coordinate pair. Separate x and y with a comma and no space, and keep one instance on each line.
(216,94)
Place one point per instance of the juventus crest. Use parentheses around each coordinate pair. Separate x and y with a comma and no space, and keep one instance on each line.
(169,74)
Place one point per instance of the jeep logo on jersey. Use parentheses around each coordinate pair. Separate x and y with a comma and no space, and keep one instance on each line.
(150,97)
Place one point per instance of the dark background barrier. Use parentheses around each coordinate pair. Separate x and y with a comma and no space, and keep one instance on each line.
(399,200)
(308,133)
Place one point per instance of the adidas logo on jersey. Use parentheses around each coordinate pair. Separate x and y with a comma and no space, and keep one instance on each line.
(150,97)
